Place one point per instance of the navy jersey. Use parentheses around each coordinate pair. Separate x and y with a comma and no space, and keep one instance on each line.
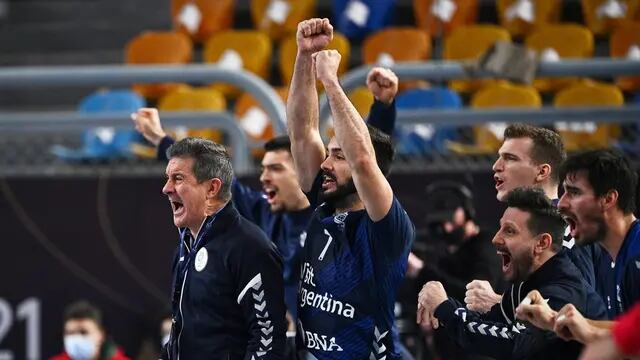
(285,229)
(617,281)
(351,270)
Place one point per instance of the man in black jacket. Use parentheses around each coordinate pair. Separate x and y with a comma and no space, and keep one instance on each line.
(228,293)
(530,243)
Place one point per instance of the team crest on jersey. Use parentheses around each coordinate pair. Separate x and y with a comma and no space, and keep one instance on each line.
(201,259)
(340,218)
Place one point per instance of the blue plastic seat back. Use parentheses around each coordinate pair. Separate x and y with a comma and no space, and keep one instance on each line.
(358,18)
(105,142)
(425,138)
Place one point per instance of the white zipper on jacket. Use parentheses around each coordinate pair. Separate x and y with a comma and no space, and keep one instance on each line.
(184,281)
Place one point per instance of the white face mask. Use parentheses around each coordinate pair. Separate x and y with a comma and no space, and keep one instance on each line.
(80,347)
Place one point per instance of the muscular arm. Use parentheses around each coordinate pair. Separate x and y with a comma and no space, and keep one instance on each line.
(302,104)
(353,137)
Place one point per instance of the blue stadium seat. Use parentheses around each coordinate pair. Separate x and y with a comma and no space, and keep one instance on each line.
(105,143)
(358,18)
(426,138)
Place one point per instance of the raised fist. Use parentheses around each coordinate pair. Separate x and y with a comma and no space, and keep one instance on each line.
(326,63)
(314,35)
(147,122)
(383,84)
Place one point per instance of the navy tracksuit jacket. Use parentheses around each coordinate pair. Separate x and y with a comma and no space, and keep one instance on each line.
(228,294)
(497,333)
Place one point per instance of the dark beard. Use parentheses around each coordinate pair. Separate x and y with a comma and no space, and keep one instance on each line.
(342,197)
(600,234)
(522,268)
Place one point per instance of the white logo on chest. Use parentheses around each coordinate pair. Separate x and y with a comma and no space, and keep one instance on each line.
(201,259)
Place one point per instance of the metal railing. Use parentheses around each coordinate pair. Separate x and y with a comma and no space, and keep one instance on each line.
(450,70)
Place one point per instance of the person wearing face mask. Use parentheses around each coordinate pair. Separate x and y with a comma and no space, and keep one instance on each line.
(455,251)
(85,337)
(529,241)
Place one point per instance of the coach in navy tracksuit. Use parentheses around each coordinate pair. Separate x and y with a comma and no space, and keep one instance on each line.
(530,243)
(281,209)
(227,276)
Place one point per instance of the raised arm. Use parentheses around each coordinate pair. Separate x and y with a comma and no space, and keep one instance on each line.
(353,137)
(302,104)
(147,123)
(383,84)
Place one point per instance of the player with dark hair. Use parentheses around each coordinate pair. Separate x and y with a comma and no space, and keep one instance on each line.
(530,243)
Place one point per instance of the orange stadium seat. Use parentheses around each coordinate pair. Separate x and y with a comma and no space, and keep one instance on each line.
(279,18)
(568,41)
(440,17)
(199,19)
(625,42)
(579,136)
(469,43)
(289,48)
(514,14)
(199,99)
(603,16)
(488,138)
(158,48)
(362,99)
(253,118)
(400,43)
(239,49)
(397,44)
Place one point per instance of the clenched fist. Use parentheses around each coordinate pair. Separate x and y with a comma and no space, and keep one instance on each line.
(147,122)
(536,311)
(480,296)
(326,63)
(383,84)
(430,297)
(313,35)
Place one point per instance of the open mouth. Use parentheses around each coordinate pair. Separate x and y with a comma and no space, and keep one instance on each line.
(572,225)
(506,260)
(270,193)
(327,181)
(177,207)
(499,182)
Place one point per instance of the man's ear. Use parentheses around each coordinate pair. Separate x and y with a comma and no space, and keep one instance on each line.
(609,199)
(543,243)
(215,185)
(544,172)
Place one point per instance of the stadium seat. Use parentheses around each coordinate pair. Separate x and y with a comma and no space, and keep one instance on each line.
(469,43)
(358,18)
(625,42)
(396,44)
(253,118)
(440,17)
(603,16)
(199,19)
(104,143)
(520,17)
(426,138)
(158,48)
(589,135)
(488,138)
(567,41)
(289,48)
(197,99)
(362,99)
(239,49)
(280,18)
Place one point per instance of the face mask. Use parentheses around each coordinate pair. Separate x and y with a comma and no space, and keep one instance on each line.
(455,237)
(79,347)
(165,340)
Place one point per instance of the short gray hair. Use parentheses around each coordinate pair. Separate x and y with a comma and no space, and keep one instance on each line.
(211,161)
